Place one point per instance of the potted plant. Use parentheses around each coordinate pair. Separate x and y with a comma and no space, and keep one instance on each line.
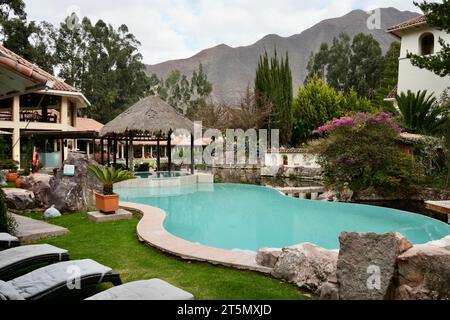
(108,202)
(11,166)
(285,160)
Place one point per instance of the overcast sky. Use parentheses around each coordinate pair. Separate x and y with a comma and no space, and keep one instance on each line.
(175,29)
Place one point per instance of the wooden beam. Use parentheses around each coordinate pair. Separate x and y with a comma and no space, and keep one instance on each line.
(115,152)
(127,151)
(102,151)
(158,156)
(192,154)
(169,150)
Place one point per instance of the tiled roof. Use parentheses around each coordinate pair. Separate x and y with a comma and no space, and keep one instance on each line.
(409,23)
(87,124)
(40,74)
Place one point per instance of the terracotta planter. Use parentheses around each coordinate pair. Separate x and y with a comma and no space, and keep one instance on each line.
(107,204)
(18,183)
(12,176)
(285,162)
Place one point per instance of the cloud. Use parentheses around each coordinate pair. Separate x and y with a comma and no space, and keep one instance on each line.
(174,29)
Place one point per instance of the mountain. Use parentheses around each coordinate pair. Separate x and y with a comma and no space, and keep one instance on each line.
(230,70)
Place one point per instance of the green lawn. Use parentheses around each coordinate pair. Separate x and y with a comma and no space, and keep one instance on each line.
(115,244)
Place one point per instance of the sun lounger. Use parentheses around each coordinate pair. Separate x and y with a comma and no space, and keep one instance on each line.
(154,289)
(16,258)
(53,280)
(8,241)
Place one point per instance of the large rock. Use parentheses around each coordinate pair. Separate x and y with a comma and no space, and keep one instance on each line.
(367,265)
(268,257)
(20,199)
(40,185)
(72,194)
(424,273)
(329,291)
(306,265)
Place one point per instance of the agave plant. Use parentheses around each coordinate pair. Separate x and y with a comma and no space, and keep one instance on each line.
(421,113)
(109,176)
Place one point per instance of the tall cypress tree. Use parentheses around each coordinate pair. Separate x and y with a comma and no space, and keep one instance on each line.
(273,84)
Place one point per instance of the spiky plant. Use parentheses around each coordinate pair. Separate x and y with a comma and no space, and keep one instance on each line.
(421,113)
(109,176)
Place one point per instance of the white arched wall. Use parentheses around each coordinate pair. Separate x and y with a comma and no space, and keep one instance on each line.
(413,78)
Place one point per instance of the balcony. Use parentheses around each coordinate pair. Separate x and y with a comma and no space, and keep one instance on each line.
(30,116)
(27,116)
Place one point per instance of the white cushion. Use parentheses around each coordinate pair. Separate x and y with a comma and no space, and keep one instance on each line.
(18,254)
(154,289)
(57,274)
(8,292)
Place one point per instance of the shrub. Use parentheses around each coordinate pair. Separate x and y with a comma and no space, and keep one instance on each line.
(361,152)
(8,165)
(317,102)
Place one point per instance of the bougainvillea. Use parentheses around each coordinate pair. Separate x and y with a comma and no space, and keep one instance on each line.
(361,151)
(359,120)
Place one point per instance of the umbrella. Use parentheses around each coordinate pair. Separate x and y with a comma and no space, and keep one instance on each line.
(4,132)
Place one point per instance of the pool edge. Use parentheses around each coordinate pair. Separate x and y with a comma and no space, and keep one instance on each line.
(151,231)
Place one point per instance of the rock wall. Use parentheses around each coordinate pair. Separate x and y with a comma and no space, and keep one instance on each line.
(368,266)
(237,174)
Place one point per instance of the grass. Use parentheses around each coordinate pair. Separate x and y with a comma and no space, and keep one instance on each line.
(10,185)
(115,244)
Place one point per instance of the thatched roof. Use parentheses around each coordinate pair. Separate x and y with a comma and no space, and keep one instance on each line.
(148,116)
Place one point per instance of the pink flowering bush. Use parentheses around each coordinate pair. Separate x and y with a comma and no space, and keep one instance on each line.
(359,120)
(360,151)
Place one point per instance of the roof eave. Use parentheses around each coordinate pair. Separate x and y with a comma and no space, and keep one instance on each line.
(73,94)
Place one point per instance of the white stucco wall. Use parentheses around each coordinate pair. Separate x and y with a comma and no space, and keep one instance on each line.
(304,160)
(413,78)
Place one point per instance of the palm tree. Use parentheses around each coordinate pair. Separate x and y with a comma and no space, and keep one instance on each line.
(108,176)
(420,113)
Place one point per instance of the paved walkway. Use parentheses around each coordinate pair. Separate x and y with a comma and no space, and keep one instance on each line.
(29,229)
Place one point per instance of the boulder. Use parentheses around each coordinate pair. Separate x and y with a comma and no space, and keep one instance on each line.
(424,273)
(40,185)
(306,265)
(329,291)
(367,265)
(268,257)
(74,193)
(52,213)
(20,199)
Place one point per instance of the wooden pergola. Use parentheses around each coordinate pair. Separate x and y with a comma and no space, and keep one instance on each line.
(150,119)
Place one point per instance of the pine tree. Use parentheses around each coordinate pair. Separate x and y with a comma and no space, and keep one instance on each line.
(389,78)
(273,85)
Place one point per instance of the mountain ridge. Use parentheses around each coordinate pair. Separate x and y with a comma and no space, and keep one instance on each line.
(232,69)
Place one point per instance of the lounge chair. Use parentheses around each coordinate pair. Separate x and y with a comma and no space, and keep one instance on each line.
(52,280)
(154,289)
(25,256)
(8,241)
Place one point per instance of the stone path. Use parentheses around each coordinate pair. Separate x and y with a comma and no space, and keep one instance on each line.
(29,229)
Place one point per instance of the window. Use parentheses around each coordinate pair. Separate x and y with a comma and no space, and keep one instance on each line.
(427,44)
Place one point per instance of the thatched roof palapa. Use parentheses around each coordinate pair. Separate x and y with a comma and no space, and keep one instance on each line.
(149,116)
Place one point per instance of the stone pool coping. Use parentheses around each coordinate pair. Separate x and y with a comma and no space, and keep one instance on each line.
(150,230)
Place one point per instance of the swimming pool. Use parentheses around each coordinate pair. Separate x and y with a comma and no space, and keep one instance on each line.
(246,217)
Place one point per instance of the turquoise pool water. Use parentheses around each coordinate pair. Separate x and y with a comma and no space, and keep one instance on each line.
(244,217)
